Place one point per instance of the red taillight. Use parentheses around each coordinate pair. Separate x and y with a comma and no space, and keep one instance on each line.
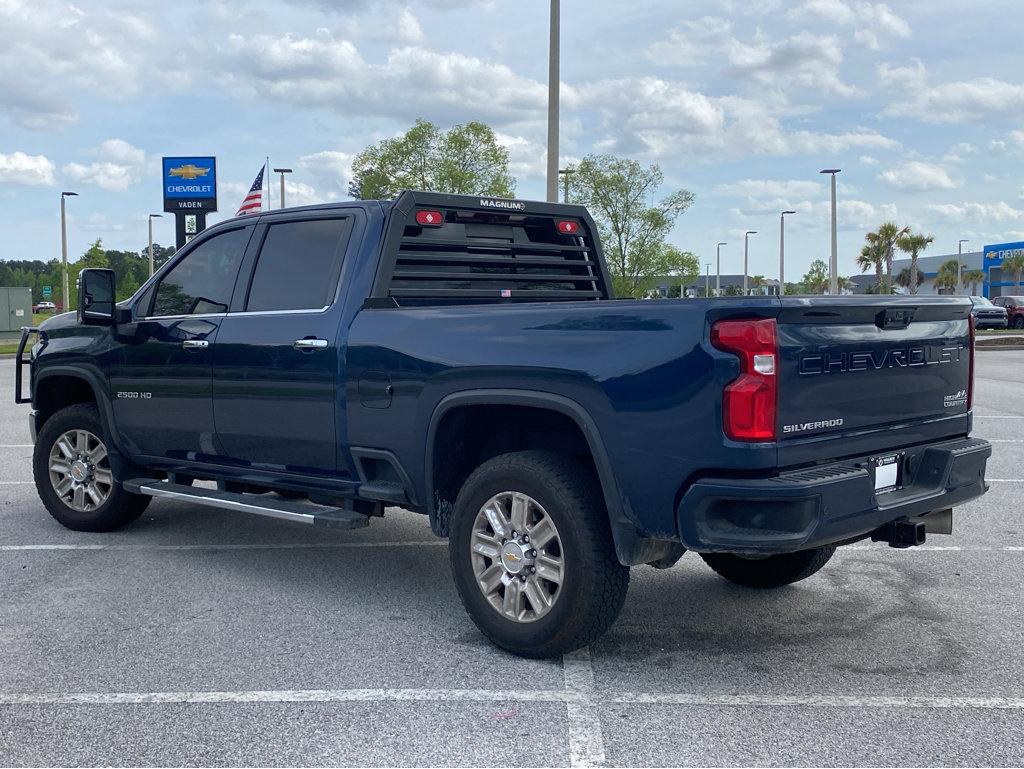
(567,227)
(749,402)
(970,370)
(429,218)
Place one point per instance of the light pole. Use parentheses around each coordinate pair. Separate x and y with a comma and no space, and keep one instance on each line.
(707,279)
(282,171)
(151,218)
(553,52)
(746,249)
(64,247)
(718,277)
(959,263)
(564,173)
(782,251)
(833,265)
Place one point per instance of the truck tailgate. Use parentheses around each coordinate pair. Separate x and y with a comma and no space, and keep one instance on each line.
(853,366)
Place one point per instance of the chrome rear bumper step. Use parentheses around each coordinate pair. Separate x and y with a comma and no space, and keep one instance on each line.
(269,506)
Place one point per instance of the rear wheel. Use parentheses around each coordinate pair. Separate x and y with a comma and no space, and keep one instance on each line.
(532,554)
(1018,322)
(773,571)
(73,474)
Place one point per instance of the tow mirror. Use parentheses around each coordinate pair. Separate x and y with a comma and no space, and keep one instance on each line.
(96,297)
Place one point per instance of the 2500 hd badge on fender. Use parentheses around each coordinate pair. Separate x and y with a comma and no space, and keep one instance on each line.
(466,360)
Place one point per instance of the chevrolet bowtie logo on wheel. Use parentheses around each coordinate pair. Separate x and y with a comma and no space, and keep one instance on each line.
(189,171)
(512,557)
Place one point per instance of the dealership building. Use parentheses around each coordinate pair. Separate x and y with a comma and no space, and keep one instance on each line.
(989,261)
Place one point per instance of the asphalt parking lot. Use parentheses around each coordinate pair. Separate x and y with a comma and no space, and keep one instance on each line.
(207,638)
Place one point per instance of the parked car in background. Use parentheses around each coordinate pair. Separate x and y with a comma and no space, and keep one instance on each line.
(987,315)
(1014,306)
(45,307)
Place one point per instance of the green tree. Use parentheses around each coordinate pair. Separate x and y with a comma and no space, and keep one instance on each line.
(885,239)
(621,196)
(1014,265)
(946,278)
(913,244)
(909,278)
(466,160)
(974,278)
(816,279)
(872,256)
(757,283)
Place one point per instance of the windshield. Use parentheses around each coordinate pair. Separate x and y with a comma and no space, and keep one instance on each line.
(980,300)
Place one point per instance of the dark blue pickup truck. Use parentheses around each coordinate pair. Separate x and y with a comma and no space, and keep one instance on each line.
(463,357)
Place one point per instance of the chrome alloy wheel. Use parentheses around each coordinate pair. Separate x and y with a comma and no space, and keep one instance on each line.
(80,471)
(517,556)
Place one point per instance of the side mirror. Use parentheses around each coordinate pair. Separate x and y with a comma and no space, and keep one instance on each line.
(96,293)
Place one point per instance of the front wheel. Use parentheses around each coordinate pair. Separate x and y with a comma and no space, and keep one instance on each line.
(532,554)
(772,571)
(73,475)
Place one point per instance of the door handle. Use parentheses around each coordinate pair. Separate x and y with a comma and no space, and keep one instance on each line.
(195,344)
(310,344)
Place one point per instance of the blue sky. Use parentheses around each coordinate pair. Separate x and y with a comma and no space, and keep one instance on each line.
(921,104)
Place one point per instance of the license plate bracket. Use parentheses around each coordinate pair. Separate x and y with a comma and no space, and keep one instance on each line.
(887,471)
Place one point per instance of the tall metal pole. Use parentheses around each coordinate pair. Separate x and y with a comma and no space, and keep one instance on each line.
(282,171)
(553,75)
(707,280)
(959,263)
(746,249)
(66,301)
(564,173)
(718,277)
(151,245)
(833,265)
(782,251)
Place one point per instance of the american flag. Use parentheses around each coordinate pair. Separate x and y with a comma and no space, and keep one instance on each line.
(254,200)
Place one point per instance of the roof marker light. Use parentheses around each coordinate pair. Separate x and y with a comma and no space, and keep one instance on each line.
(429,218)
(567,227)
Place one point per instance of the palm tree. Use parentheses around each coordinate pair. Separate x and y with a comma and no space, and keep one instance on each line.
(757,283)
(947,276)
(1014,264)
(974,277)
(909,278)
(886,238)
(872,256)
(913,244)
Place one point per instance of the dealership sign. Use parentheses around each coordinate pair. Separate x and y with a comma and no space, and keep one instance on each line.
(190,184)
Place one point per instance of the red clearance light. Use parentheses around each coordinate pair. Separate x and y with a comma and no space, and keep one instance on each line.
(750,401)
(429,218)
(567,227)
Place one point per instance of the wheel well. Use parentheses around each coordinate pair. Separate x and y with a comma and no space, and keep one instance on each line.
(56,392)
(468,436)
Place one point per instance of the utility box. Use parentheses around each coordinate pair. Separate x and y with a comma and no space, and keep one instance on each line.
(15,308)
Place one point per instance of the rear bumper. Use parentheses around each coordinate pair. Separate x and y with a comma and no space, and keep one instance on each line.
(827,504)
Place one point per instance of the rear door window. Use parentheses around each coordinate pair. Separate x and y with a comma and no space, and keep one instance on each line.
(298,265)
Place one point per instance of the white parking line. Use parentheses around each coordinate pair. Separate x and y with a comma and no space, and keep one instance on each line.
(1005,480)
(937,548)
(1005,440)
(538,695)
(253,546)
(586,741)
(16,483)
(998,416)
(16,446)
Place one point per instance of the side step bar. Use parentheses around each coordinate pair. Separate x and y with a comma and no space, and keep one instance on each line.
(271,507)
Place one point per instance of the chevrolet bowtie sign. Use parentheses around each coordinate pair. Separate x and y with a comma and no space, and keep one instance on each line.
(190,184)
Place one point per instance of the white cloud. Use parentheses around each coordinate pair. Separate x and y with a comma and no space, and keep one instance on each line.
(997,147)
(991,212)
(331,170)
(32,170)
(117,167)
(868,160)
(54,52)
(917,176)
(872,21)
(979,100)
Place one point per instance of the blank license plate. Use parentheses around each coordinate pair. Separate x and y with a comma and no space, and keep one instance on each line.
(887,473)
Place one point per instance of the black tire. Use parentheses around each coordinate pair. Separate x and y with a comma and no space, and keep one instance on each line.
(119,509)
(771,572)
(1018,322)
(594,583)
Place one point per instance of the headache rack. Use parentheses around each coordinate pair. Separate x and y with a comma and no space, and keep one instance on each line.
(456,249)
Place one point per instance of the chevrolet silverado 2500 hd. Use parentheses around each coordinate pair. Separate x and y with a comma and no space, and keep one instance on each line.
(463,357)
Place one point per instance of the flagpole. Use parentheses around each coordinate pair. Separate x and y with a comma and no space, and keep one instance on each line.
(266,178)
